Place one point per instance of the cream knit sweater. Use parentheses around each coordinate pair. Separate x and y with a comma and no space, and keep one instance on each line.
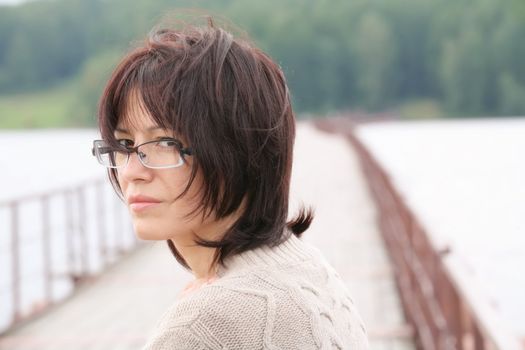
(286,297)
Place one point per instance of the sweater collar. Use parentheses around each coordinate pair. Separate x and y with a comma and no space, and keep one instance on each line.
(291,251)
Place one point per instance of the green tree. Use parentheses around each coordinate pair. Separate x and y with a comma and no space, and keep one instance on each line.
(375,53)
(89,86)
(337,54)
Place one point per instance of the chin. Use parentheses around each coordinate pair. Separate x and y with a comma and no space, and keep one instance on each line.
(146,232)
(146,236)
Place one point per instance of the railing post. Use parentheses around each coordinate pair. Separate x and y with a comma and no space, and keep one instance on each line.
(15,249)
(101,220)
(46,241)
(70,231)
(118,228)
(84,247)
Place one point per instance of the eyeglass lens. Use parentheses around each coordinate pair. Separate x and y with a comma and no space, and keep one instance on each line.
(163,153)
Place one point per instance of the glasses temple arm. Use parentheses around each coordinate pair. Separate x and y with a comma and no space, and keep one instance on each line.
(188,151)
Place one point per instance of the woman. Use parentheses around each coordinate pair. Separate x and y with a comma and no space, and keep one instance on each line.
(197,133)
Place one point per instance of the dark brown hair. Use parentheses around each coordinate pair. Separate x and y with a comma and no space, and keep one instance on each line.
(231,103)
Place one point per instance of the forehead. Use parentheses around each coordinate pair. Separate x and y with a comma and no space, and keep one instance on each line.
(136,119)
(135,116)
(137,124)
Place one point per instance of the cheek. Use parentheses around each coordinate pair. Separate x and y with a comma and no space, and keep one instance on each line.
(172,219)
(181,207)
(174,182)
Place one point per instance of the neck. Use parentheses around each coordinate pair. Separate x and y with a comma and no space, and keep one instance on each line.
(198,258)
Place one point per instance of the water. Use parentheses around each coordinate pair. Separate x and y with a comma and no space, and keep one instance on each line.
(464,181)
(88,225)
(36,161)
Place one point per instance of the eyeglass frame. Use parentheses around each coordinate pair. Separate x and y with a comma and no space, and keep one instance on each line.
(184,151)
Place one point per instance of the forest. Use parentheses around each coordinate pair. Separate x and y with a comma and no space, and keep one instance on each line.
(453,58)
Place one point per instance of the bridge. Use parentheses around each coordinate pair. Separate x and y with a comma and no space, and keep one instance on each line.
(109,290)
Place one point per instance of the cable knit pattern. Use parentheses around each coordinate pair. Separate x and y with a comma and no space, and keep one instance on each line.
(285,297)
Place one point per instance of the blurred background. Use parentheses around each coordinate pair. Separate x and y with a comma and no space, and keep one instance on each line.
(417,104)
(414,58)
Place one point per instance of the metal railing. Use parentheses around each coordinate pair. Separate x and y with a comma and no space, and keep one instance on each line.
(51,242)
(444,313)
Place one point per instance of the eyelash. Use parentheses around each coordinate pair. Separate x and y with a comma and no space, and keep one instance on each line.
(131,143)
(125,142)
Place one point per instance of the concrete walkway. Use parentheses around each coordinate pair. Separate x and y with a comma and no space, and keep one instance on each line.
(114,311)
(119,309)
(327,175)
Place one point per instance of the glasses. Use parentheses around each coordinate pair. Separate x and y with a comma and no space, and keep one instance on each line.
(158,154)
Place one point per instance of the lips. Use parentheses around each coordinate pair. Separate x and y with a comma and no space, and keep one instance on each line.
(139,203)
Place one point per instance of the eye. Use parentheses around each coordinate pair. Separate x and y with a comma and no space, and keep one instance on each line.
(167,142)
(125,142)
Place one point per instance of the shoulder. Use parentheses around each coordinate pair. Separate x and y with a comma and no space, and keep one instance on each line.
(223,315)
(259,309)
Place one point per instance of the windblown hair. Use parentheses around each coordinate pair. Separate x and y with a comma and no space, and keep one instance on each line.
(231,103)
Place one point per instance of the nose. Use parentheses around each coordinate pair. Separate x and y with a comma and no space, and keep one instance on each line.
(135,170)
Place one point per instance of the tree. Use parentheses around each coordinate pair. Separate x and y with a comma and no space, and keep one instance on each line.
(375,52)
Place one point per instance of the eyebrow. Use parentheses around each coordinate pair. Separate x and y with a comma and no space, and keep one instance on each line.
(150,129)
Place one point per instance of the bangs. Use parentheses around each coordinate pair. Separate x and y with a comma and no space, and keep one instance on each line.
(134,110)
(136,90)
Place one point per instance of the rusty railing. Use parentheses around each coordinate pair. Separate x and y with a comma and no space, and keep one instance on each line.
(436,301)
(51,242)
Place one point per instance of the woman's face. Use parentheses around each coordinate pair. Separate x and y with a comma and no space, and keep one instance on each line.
(150,194)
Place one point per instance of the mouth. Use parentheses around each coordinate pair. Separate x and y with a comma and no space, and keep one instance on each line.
(140,203)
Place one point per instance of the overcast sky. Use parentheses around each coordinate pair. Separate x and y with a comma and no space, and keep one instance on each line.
(11,2)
